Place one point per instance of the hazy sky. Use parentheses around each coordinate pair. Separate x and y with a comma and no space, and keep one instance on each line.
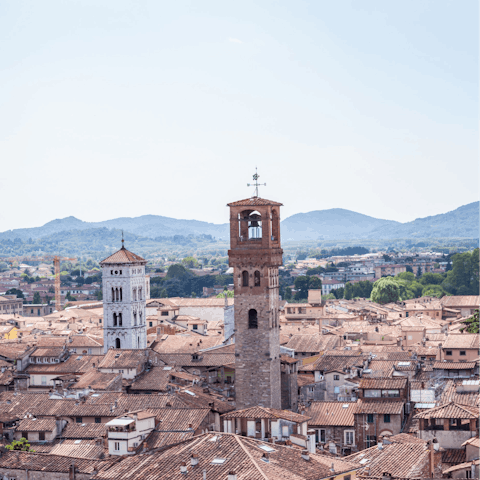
(126,108)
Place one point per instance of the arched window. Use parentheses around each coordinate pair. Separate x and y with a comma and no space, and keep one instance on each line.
(120,319)
(134,294)
(121,298)
(116,295)
(117,343)
(114,319)
(255,225)
(134,318)
(245,278)
(252,318)
(139,318)
(140,293)
(113,294)
(257,278)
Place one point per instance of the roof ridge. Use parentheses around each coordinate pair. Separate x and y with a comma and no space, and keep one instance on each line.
(250,457)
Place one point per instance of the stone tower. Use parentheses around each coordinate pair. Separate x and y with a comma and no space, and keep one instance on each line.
(124,300)
(255,254)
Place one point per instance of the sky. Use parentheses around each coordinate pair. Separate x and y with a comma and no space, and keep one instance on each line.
(125,108)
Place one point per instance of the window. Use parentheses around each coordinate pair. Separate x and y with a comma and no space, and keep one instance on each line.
(370,418)
(195,327)
(117,343)
(98,420)
(44,380)
(349,437)
(78,420)
(245,278)
(371,441)
(256,277)
(252,318)
(41,435)
(448,352)
(89,351)
(320,435)
(336,389)
(468,473)
(386,418)
(347,477)
(372,393)
(114,319)
(25,435)
(164,314)
(120,319)
(117,446)
(336,377)
(150,324)
(390,393)
(463,353)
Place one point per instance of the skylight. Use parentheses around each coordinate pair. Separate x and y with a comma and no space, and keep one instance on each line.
(167,368)
(403,364)
(266,448)
(213,439)
(218,461)
(77,441)
(345,405)
(190,393)
(364,461)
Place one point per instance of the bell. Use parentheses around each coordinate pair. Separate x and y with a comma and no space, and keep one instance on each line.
(254,223)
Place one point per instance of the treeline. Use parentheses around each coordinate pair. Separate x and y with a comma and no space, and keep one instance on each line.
(181,282)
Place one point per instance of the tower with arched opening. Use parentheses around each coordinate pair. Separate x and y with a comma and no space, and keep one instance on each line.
(125,291)
(255,254)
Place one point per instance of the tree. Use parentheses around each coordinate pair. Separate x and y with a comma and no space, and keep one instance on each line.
(99,294)
(409,269)
(288,293)
(386,257)
(15,291)
(348,292)
(21,445)
(36,298)
(419,272)
(338,292)
(305,283)
(408,276)
(69,297)
(472,323)
(433,291)
(190,262)
(463,278)
(385,290)
(429,278)
(194,295)
(230,294)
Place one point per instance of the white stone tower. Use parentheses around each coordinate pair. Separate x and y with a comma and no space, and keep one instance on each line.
(124,300)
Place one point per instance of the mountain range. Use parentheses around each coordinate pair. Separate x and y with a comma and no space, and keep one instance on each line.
(332,224)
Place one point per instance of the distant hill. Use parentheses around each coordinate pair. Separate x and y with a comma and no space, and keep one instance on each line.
(335,224)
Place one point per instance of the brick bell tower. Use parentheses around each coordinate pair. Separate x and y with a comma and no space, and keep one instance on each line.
(255,254)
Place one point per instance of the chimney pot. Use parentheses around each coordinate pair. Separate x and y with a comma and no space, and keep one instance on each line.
(305,455)
(193,460)
(183,468)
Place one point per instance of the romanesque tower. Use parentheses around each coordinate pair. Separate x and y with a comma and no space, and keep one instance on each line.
(124,300)
(255,254)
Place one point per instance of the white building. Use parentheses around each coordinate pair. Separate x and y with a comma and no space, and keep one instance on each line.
(127,432)
(124,301)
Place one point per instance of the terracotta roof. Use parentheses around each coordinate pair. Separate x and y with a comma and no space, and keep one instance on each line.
(401,460)
(205,359)
(393,408)
(454,365)
(79,341)
(474,442)
(16,460)
(450,394)
(383,383)
(462,340)
(253,202)
(124,358)
(75,364)
(263,412)
(186,343)
(195,397)
(97,380)
(450,410)
(164,439)
(84,430)
(453,455)
(155,380)
(332,414)
(312,343)
(245,456)
(338,362)
(179,419)
(461,466)
(288,359)
(48,352)
(75,449)
(303,380)
(405,438)
(123,256)
(36,425)
(461,301)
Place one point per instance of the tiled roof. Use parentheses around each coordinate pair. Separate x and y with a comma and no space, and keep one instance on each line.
(312,343)
(84,430)
(462,340)
(36,425)
(303,380)
(393,408)
(450,410)
(186,343)
(205,359)
(330,363)
(331,414)
(195,397)
(123,256)
(96,380)
(16,460)
(383,383)
(401,460)
(124,358)
(453,455)
(179,419)
(450,394)
(51,341)
(461,301)
(199,302)
(75,364)
(79,341)
(48,352)
(263,412)
(75,449)
(454,365)
(461,466)
(253,202)
(243,455)
(405,438)
(155,380)
(163,439)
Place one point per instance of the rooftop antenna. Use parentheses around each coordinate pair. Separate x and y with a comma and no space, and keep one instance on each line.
(256,184)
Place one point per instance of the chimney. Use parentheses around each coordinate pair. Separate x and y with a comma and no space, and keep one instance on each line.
(193,460)
(332,469)
(183,468)
(305,455)
(231,475)
(386,476)
(380,445)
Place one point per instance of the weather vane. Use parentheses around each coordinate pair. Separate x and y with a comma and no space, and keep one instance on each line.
(123,240)
(256,184)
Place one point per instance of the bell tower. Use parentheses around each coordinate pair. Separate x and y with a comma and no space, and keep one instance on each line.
(255,254)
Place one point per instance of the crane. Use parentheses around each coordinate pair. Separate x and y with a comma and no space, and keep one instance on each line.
(56,262)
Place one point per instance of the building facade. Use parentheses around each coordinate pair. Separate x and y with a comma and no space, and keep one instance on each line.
(255,254)
(124,301)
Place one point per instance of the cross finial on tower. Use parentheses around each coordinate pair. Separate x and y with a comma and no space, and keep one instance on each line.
(123,241)
(256,184)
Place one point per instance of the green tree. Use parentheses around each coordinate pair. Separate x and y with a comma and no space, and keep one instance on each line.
(69,297)
(230,294)
(21,445)
(194,295)
(288,293)
(348,291)
(419,272)
(301,285)
(408,276)
(15,291)
(433,291)
(429,278)
(472,323)
(190,262)
(36,298)
(99,294)
(409,269)
(385,290)
(462,279)
(386,257)
(338,292)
